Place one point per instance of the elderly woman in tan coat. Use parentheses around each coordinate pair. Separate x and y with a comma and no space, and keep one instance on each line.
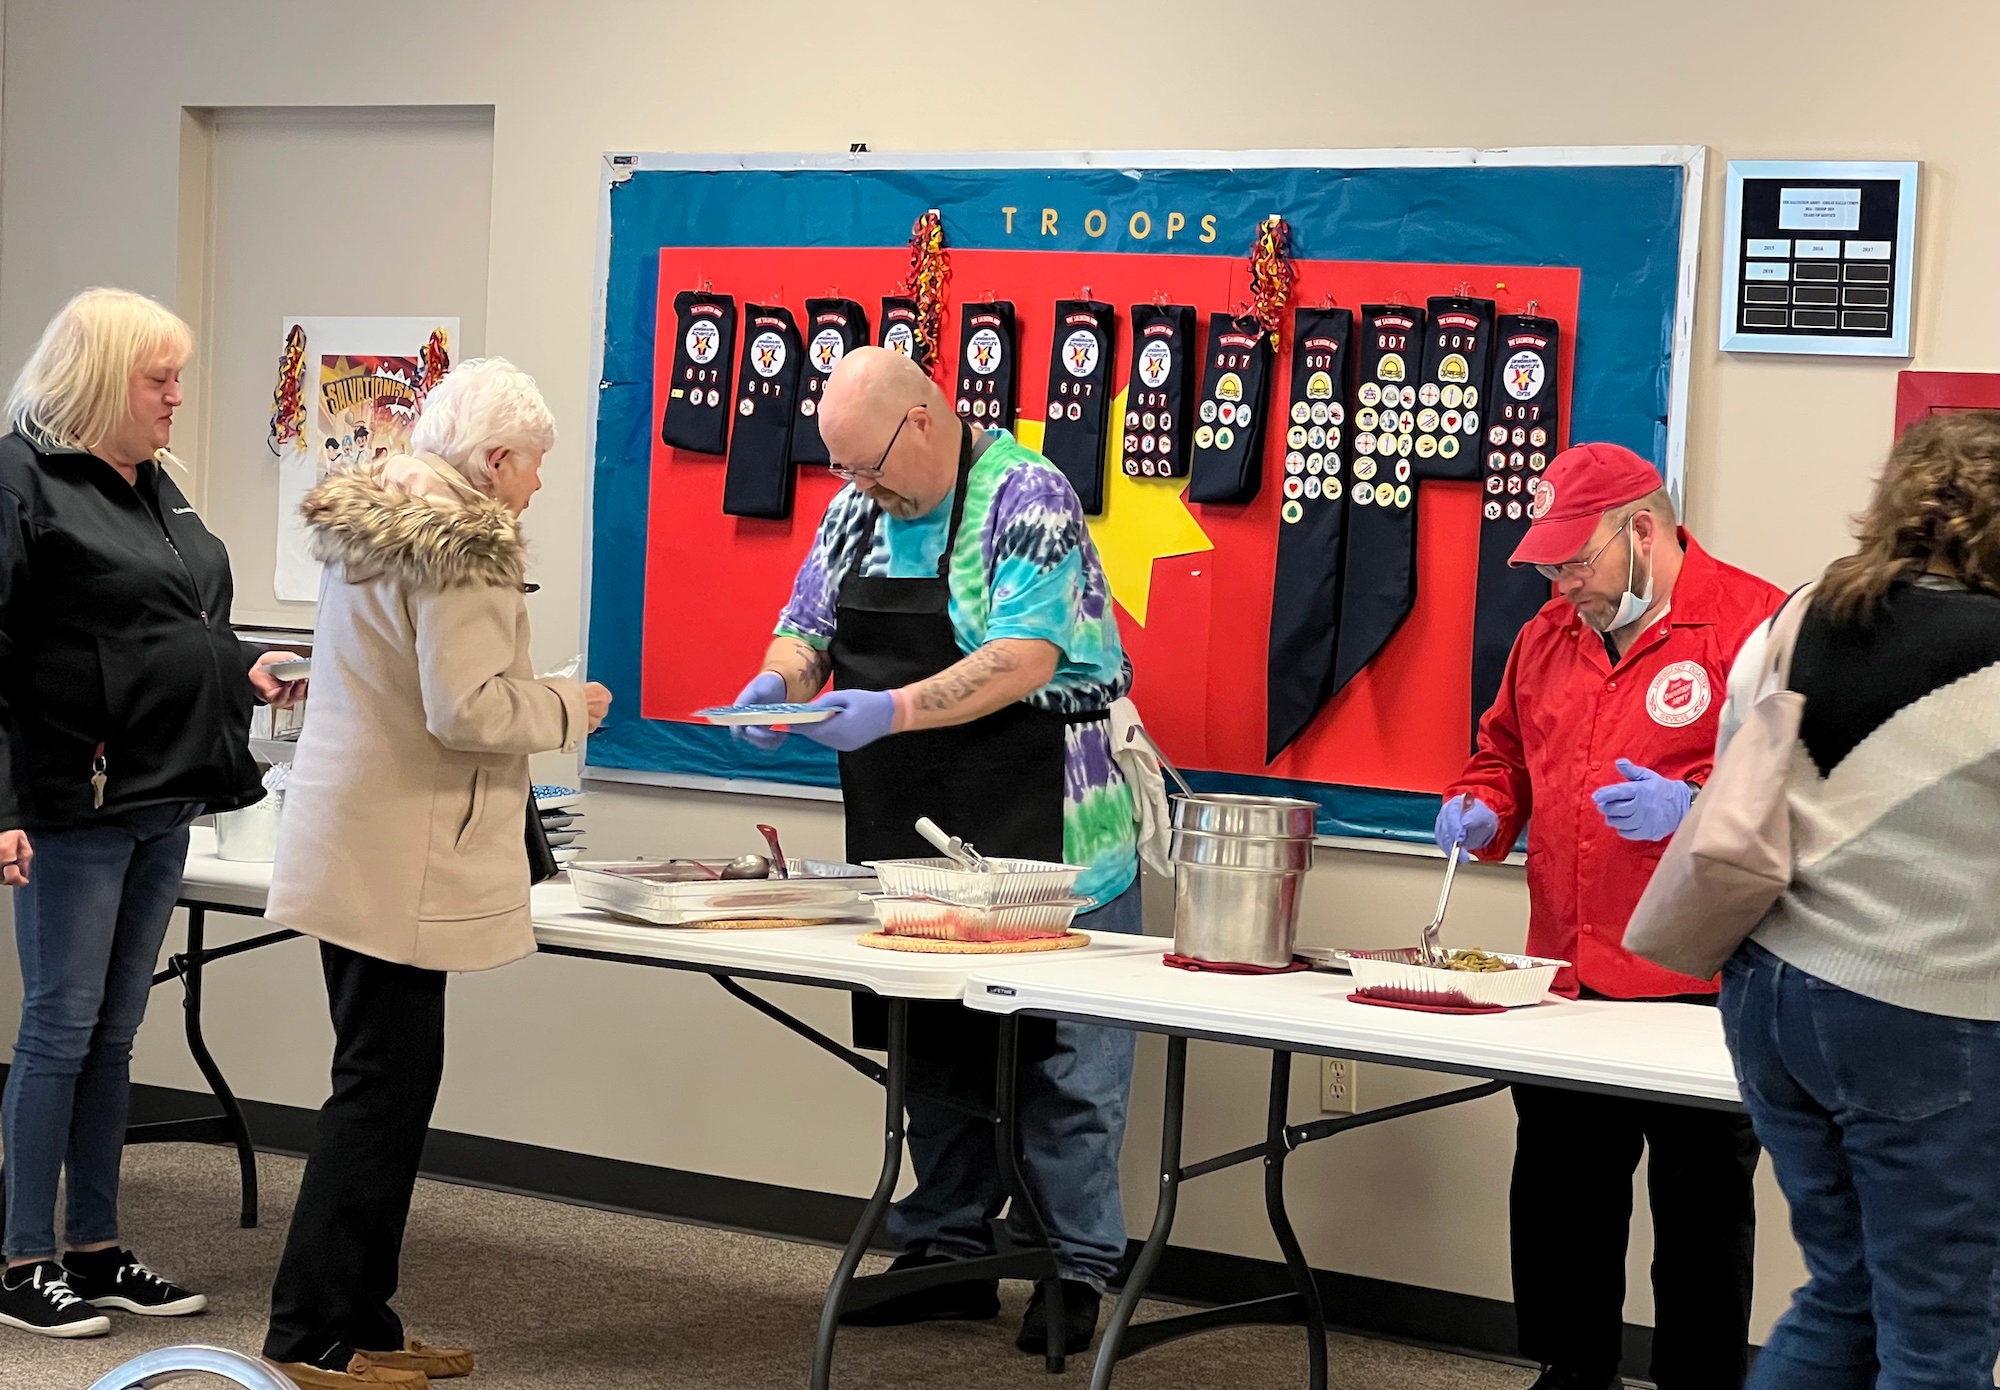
(402,846)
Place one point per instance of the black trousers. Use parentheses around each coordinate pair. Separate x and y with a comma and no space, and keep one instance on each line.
(1574,1158)
(346,1240)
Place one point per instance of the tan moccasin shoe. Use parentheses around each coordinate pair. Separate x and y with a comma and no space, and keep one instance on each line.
(363,1369)
(439,1363)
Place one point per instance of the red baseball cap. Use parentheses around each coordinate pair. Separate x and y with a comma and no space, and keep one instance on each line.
(1567,502)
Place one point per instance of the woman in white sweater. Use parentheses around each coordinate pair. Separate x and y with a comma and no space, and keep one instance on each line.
(1864,1012)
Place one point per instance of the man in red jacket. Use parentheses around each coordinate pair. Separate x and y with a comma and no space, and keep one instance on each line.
(1604,731)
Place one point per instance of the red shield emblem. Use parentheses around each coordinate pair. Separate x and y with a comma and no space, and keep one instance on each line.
(1678,693)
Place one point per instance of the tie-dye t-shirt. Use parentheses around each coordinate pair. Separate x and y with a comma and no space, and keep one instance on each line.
(1033,574)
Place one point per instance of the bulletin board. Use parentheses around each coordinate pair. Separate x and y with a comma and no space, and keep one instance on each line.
(681,598)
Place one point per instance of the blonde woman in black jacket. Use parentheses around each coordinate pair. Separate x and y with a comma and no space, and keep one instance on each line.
(124,713)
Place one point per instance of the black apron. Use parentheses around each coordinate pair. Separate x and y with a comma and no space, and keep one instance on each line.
(997,781)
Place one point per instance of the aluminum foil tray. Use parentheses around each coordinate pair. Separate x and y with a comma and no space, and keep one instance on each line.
(639,890)
(1012,883)
(1397,975)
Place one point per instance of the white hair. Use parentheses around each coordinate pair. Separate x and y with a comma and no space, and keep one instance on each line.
(483,404)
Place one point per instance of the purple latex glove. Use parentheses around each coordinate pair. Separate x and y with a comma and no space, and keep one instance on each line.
(1468,819)
(767,689)
(1645,806)
(865,715)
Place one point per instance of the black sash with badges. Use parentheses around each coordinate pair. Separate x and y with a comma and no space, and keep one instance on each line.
(986,374)
(899,329)
(1080,396)
(834,328)
(1159,401)
(697,413)
(1312,528)
(759,481)
(1379,580)
(1517,444)
(1457,349)
(1228,460)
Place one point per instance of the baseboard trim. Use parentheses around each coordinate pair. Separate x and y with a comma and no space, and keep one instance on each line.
(1368,1307)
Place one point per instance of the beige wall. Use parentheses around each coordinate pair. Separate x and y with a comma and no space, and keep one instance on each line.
(661,1068)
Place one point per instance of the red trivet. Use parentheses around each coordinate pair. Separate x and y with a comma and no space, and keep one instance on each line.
(1380,1003)
(1217,967)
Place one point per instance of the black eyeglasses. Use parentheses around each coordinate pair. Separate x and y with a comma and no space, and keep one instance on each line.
(1576,569)
(855,475)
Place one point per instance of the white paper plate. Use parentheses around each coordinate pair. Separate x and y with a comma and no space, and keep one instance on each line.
(767,714)
(299,670)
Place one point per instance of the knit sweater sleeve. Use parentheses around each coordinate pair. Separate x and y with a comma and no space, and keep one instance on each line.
(1747,684)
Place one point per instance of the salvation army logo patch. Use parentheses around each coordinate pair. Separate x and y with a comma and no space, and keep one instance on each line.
(1541,499)
(702,341)
(767,354)
(1523,375)
(827,349)
(900,338)
(1679,695)
(1079,354)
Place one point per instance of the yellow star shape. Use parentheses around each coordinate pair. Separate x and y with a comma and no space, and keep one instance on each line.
(1144,519)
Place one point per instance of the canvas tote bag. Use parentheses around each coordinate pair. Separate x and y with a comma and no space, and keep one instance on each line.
(1732,857)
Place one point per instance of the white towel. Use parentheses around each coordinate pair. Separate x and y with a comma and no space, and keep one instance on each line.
(1141,767)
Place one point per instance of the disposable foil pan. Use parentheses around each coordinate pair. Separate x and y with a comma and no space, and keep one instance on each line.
(946,921)
(1398,975)
(1012,883)
(635,889)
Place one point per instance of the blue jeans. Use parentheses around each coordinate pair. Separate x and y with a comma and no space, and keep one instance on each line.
(1072,1125)
(89,927)
(1883,1125)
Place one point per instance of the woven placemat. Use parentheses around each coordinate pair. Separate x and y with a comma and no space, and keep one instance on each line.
(882,941)
(753,923)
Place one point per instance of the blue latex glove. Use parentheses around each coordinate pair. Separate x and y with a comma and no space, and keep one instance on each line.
(1476,824)
(1645,806)
(767,689)
(865,715)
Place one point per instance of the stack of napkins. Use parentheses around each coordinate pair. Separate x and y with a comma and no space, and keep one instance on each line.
(561,809)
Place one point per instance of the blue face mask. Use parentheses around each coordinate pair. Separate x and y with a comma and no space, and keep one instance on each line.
(1632,606)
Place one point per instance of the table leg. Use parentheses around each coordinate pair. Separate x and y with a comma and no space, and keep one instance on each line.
(885,1188)
(1006,1100)
(1278,1146)
(232,1113)
(1163,1217)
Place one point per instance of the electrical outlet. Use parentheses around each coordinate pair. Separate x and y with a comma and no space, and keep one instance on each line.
(1337,1077)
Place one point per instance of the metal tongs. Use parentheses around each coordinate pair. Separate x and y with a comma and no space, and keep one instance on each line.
(1433,947)
(955,849)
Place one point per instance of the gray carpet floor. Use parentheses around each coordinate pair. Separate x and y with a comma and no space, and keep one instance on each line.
(557,1297)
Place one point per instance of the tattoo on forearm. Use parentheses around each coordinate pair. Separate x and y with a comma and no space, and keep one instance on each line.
(960,683)
(803,665)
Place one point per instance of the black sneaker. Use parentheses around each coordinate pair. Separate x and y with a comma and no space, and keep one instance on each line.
(116,1279)
(34,1298)
(1080,1305)
(964,1300)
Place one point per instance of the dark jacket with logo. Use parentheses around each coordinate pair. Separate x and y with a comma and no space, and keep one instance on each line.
(115,644)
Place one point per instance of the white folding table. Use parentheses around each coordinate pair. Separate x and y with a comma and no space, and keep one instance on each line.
(1670,1052)
(827,956)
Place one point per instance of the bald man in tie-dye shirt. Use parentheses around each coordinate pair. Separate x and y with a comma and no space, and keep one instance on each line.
(1037,576)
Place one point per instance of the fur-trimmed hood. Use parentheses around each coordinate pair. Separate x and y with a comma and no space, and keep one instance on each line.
(409,519)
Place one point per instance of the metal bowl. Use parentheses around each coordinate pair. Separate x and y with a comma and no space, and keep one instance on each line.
(1264,854)
(1226,813)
